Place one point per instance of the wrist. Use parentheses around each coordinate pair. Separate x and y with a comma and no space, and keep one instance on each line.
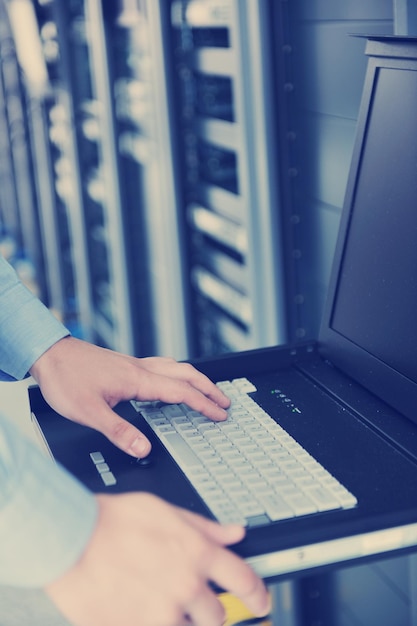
(50,358)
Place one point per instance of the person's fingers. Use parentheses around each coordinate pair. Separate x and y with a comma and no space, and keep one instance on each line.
(187,373)
(206,609)
(229,572)
(120,432)
(154,386)
(201,382)
(226,569)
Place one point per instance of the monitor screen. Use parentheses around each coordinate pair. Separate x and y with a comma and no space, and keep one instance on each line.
(376,295)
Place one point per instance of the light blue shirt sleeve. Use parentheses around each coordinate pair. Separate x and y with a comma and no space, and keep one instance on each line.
(27,328)
(46,516)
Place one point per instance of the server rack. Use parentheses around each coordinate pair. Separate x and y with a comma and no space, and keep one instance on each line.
(19,211)
(55,169)
(111,304)
(8,201)
(47,147)
(156,172)
(87,174)
(103,175)
(115,174)
(229,163)
(135,35)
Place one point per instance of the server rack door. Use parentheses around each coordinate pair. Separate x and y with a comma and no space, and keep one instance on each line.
(111,305)
(49,227)
(104,175)
(22,213)
(126,47)
(160,190)
(135,33)
(227,136)
(9,214)
(57,172)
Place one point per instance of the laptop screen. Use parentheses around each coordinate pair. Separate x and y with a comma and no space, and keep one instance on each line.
(371,323)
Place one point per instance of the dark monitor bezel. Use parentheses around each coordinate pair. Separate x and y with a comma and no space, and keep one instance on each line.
(377,376)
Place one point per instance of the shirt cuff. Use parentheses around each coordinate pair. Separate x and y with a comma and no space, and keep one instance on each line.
(46,516)
(27,330)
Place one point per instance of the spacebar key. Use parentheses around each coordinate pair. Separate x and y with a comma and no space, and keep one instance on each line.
(180,450)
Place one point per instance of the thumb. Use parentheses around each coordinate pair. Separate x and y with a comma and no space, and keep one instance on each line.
(120,432)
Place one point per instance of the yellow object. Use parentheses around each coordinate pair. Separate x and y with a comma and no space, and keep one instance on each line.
(237,613)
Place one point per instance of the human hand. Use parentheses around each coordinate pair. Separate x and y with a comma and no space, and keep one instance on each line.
(150,563)
(83,382)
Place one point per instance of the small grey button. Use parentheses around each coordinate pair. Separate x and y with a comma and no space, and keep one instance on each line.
(108,478)
(97,457)
(102,467)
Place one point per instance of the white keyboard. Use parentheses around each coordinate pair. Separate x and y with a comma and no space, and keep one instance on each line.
(248,469)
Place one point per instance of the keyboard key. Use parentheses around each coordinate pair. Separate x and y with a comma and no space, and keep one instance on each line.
(244,385)
(301,504)
(276,508)
(182,449)
(172,410)
(324,500)
(232,516)
(257,520)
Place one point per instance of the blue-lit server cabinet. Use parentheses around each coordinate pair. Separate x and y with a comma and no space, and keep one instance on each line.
(19,211)
(157,171)
(105,186)
(85,137)
(104,173)
(192,162)
(226,144)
